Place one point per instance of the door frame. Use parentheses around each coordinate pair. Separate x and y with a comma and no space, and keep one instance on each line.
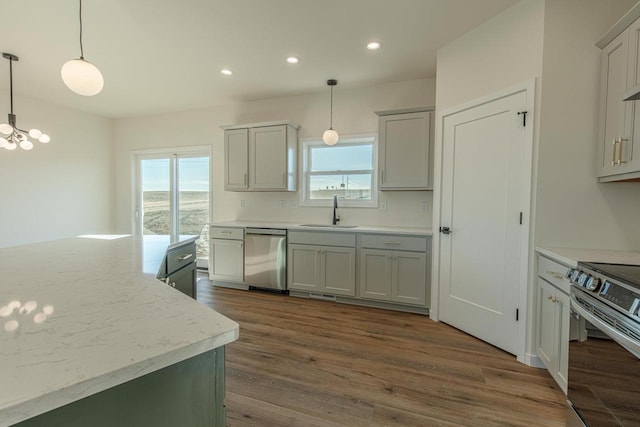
(529,87)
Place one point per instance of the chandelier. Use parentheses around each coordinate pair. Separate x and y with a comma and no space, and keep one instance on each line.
(10,135)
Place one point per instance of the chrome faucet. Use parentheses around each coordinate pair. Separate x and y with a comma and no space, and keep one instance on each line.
(336,218)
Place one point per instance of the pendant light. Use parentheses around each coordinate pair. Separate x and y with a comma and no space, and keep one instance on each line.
(10,135)
(330,136)
(80,75)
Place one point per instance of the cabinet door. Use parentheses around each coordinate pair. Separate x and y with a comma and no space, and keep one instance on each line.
(375,274)
(547,328)
(613,111)
(227,260)
(236,159)
(404,151)
(338,267)
(303,268)
(563,317)
(185,280)
(408,283)
(268,158)
(630,150)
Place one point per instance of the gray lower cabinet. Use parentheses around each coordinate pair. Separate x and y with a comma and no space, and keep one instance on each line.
(397,275)
(226,254)
(178,268)
(322,263)
(189,393)
(553,319)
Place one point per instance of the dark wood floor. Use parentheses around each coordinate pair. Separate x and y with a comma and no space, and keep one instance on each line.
(311,363)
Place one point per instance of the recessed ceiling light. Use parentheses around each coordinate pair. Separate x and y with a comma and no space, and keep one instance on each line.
(374,45)
(226,72)
(293,60)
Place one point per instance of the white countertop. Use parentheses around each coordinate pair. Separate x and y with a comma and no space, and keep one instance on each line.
(415,231)
(89,315)
(571,256)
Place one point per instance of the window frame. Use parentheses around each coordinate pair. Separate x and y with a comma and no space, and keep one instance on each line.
(305,174)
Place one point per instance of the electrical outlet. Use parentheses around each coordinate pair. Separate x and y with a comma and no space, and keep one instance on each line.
(383,206)
(424,206)
(242,204)
(293,204)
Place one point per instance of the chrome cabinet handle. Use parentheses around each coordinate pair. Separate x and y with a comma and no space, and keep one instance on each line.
(284,178)
(225,232)
(381,176)
(620,161)
(613,154)
(184,257)
(245,179)
(392,243)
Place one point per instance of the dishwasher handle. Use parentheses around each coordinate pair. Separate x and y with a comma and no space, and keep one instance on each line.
(266,231)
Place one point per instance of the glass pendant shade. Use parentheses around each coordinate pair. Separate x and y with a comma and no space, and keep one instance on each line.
(330,137)
(6,129)
(26,145)
(82,77)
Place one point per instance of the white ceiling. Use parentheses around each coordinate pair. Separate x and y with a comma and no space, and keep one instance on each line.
(166,55)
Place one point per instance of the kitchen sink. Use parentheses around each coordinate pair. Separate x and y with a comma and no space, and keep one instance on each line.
(328,225)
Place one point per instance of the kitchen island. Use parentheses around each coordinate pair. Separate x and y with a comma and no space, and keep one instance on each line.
(89,336)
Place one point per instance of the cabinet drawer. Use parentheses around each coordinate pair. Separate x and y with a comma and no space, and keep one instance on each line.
(336,238)
(393,242)
(227,233)
(179,257)
(554,273)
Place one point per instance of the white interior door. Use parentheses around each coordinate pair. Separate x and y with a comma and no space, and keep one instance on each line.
(484,195)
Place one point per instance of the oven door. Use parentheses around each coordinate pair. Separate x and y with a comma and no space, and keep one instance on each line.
(604,369)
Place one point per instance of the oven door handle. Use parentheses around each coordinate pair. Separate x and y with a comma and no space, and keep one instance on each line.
(631,345)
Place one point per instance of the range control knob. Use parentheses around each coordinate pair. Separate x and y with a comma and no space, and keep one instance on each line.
(582,279)
(592,284)
(574,275)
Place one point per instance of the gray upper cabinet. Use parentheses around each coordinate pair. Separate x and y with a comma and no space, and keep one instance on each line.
(261,156)
(618,146)
(405,149)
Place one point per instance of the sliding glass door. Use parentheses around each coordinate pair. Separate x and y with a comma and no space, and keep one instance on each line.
(173,196)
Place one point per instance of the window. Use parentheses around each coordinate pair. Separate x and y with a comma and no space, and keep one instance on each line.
(345,169)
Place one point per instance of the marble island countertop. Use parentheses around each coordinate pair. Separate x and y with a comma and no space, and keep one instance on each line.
(345,228)
(81,315)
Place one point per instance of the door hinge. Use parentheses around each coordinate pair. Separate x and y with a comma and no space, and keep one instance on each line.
(517,314)
(520,218)
(524,117)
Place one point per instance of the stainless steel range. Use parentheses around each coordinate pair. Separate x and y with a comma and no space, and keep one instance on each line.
(604,365)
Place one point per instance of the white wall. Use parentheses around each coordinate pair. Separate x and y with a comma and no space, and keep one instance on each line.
(60,189)
(572,209)
(353,113)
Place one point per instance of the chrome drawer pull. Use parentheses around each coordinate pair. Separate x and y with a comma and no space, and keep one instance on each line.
(392,243)
(184,257)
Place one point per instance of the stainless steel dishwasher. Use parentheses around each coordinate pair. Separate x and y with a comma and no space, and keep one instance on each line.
(265,258)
